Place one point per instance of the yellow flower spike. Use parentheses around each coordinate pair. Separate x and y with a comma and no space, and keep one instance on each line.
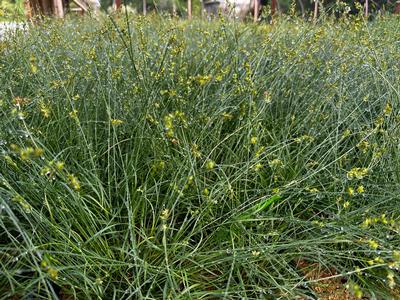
(258,167)
(14,147)
(218,78)
(379,260)
(275,163)
(267,97)
(21,115)
(46,171)
(203,80)
(74,114)
(260,151)
(357,173)
(371,262)
(195,151)
(379,121)
(313,190)
(33,65)
(26,153)
(346,204)
(373,244)
(227,116)
(275,191)
(116,122)
(384,219)
(360,189)
(366,222)
(43,264)
(396,256)
(253,140)
(19,101)
(38,152)
(357,291)
(169,122)
(363,146)
(53,273)
(164,214)
(45,111)
(350,191)
(23,203)
(169,133)
(151,120)
(210,164)
(388,109)
(59,165)
(74,182)
(391,281)
(10,161)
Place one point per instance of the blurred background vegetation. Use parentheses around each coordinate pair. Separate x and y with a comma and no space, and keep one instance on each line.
(14,9)
(301,7)
(11,9)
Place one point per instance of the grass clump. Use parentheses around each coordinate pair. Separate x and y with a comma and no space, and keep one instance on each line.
(168,159)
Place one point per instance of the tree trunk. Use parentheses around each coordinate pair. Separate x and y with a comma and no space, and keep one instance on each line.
(189,8)
(315,10)
(273,7)
(58,8)
(256,9)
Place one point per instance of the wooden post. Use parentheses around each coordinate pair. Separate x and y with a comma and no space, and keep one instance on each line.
(366,9)
(58,8)
(144,7)
(273,7)
(315,10)
(256,9)
(189,8)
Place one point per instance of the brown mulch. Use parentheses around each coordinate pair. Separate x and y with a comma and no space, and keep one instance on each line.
(329,289)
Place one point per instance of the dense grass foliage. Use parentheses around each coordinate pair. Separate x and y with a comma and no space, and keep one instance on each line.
(163,159)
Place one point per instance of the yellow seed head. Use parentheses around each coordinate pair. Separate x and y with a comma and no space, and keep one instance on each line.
(373,244)
(253,140)
(210,164)
(53,273)
(74,182)
(116,122)
(360,189)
